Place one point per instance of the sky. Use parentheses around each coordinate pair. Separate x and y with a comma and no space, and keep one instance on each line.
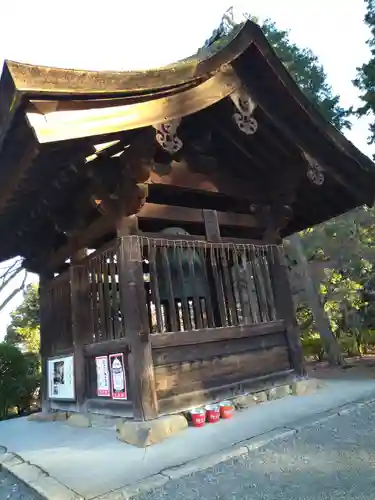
(127,35)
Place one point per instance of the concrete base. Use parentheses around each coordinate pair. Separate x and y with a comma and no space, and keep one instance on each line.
(47,417)
(143,434)
(73,456)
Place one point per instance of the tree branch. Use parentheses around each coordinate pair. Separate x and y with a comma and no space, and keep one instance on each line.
(14,292)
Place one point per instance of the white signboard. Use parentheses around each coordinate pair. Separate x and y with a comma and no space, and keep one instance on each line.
(61,378)
(102,376)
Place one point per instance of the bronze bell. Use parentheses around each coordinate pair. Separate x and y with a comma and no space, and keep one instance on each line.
(186,282)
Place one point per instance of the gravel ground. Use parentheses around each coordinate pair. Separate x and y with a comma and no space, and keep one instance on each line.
(10,489)
(333,460)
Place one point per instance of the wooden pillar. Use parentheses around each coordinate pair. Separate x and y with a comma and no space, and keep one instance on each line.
(81,327)
(275,219)
(137,330)
(211,224)
(285,308)
(45,350)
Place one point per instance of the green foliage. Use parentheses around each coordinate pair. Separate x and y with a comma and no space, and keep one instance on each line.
(305,68)
(365,80)
(345,248)
(24,330)
(19,379)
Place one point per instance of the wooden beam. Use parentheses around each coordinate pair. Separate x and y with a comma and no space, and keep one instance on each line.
(161,340)
(154,211)
(106,347)
(97,229)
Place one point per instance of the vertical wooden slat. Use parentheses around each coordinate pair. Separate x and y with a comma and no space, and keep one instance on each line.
(219,289)
(248,290)
(211,224)
(253,295)
(259,286)
(268,286)
(245,317)
(196,299)
(94,300)
(133,301)
(154,282)
(230,299)
(208,309)
(115,303)
(171,301)
(102,308)
(106,298)
(184,300)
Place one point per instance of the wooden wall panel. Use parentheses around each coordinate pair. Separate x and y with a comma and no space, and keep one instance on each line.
(207,350)
(178,378)
(201,397)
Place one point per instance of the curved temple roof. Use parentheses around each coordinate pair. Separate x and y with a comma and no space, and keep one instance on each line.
(45,110)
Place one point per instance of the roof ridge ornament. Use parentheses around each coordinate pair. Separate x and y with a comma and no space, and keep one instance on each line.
(166,136)
(246,107)
(315,172)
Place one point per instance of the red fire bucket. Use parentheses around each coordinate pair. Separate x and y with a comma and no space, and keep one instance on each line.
(226,409)
(198,417)
(212,413)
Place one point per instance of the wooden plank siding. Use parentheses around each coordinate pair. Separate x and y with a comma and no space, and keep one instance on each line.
(205,364)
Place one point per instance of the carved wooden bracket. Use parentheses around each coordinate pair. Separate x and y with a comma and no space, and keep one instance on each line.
(315,172)
(246,107)
(166,136)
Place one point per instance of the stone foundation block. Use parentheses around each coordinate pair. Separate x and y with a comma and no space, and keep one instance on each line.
(305,386)
(260,397)
(245,401)
(143,434)
(79,420)
(278,392)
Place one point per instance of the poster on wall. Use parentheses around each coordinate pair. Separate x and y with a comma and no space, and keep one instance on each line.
(102,376)
(61,378)
(118,378)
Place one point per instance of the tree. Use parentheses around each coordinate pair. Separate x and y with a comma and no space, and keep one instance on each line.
(305,68)
(319,316)
(365,80)
(24,329)
(19,378)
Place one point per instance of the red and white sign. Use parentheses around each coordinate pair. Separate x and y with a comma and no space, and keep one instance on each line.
(118,378)
(102,376)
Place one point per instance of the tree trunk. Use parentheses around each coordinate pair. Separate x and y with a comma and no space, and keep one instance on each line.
(321,321)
